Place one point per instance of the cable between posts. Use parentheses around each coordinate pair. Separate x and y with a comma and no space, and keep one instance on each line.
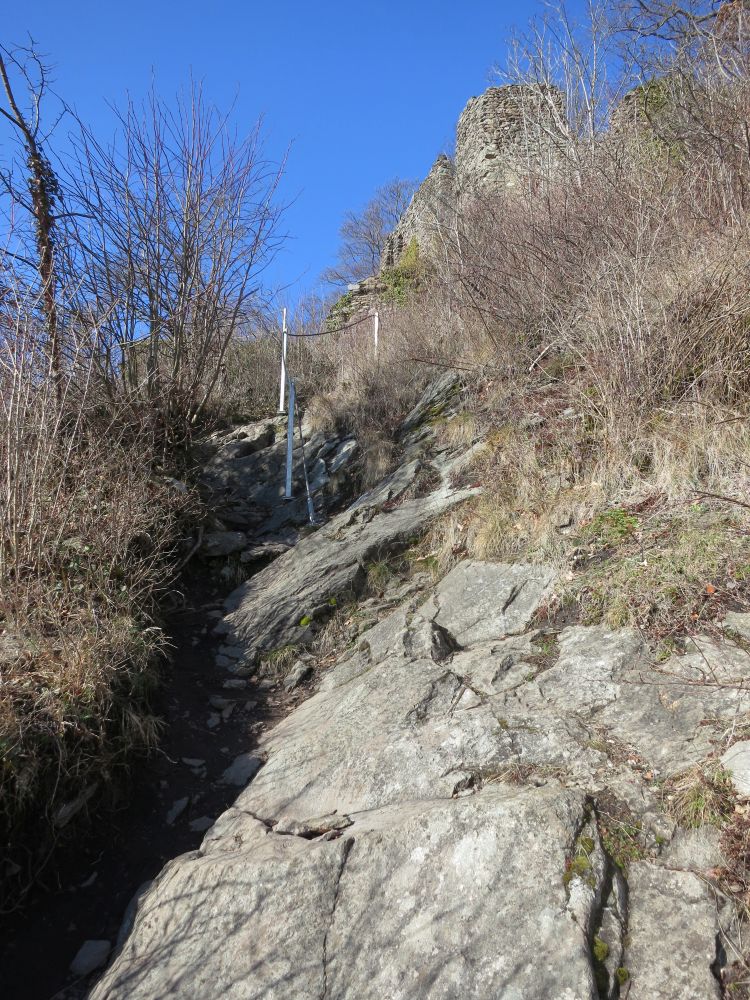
(330,333)
(294,410)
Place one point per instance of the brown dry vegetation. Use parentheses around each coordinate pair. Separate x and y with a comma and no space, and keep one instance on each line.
(90,532)
(599,310)
(112,349)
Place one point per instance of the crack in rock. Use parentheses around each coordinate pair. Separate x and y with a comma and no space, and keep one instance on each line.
(346,850)
(515,590)
(447,686)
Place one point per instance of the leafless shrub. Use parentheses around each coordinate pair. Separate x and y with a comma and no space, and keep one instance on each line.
(88,534)
(111,351)
(621,255)
(175,223)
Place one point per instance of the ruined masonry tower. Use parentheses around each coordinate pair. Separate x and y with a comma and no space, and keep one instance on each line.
(502,136)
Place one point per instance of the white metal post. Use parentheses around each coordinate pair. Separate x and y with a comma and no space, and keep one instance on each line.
(288,495)
(375,332)
(282,381)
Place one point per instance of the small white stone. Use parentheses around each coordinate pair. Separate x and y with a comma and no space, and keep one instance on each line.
(201,824)
(91,955)
(241,770)
(177,810)
(737,761)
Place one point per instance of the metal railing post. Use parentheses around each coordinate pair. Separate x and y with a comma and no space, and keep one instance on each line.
(310,505)
(282,380)
(288,495)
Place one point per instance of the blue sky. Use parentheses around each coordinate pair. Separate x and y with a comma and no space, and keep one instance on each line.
(363,92)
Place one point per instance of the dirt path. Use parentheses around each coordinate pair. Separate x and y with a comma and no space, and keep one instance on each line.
(89,885)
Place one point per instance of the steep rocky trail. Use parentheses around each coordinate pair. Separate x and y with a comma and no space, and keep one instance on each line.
(471,800)
(164,809)
(428,823)
(212,716)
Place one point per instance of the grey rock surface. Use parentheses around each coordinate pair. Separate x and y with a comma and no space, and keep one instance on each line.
(738,621)
(265,613)
(426,824)
(242,769)
(737,761)
(223,543)
(414,901)
(90,956)
(245,479)
(672,936)
(481,601)
(247,916)
(299,673)
(341,456)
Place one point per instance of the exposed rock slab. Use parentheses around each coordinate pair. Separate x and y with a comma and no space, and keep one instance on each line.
(421,900)
(672,936)
(379,853)
(479,601)
(267,611)
(394,721)
(381,849)
(247,917)
(604,682)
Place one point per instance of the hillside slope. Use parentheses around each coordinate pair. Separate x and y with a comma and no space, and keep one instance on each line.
(475,801)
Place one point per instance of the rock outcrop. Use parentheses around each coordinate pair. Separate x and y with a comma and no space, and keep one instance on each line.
(425,826)
(445,816)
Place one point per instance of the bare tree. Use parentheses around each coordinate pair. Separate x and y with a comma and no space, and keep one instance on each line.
(177,220)
(42,190)
(363,233)
(671,22)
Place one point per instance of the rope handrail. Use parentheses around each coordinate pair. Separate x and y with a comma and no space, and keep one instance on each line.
(328,333)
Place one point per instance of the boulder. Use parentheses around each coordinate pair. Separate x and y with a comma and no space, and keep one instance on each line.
(222,543)
(299,673)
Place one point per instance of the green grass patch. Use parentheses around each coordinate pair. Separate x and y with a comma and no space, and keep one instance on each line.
(678,573)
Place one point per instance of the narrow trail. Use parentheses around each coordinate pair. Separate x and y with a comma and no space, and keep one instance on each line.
(210,719)
(87,889)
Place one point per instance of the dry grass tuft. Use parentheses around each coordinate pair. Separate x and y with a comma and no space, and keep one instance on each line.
(703,795)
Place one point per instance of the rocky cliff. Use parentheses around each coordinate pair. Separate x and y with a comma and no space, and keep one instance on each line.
(474,800)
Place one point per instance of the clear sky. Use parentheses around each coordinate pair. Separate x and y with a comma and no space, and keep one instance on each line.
(363,91)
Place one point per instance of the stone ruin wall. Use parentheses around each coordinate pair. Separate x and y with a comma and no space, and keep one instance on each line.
(429,214)
(500,137)
(504,135)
